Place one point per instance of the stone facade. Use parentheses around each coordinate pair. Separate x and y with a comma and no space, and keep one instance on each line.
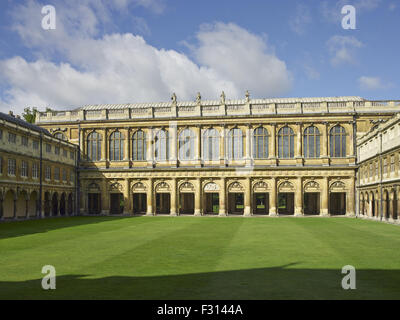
(379,171)
(37,171)
(223,157)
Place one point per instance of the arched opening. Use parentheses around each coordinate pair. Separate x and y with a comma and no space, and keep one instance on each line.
(22,202)
(395,205)
(47,204)
(33,204)
(211,198)
(337,203)
(9,204)
(163,203)
(372,204)
(117,203)
(62,204)
(54,205)
(70,205)
(385,205)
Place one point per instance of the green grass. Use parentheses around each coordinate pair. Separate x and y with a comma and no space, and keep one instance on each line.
(199,258)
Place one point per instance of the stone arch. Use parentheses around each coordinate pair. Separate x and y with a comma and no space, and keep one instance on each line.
(47,204)
(211,186)
(385,202)
(9,203)
(286,186)
(260,186)
(116,187)
(54,204)
(162,187)
(235,186)
(371,204)
(139,187)
(63,204)
(21,204)
(311,186)
(70,204)
(33,204)
(186,186)
(337,186)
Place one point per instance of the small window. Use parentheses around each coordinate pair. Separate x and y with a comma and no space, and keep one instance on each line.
(35,171)
(48,148)
(1,134)
(392,163)
(64,174)
(72,155)
(12,138)
(12,164)
(57,150)
(24,141)
(71,176)
(65,153)
(24,169)
(48,173)
(35,144)
(57,174)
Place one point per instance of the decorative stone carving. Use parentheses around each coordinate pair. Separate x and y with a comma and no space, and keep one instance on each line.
(116,186)
(93,187)
(260,186)
(198,98)
(247,96)
(338,186)
(311,186)
(235,187)
(186,187)
(223,97)
(286,186)
(163,187)
(211,187)
(173,98)
(139,187)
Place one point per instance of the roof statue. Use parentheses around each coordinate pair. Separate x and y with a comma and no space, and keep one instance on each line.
(223,97)
(198,98)
(247,96)
(173,98)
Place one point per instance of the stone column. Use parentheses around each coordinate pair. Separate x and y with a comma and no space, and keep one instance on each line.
(83,145)
(324,197)
(222,145)
(127,141)
(197,199)
(173,139)
(272,205)
(398,203)
(149,195)
(105,198)
(297,152)
(350,199)
(391,206)
(174,191)
(298,196)
(127,197)
(248,144)
(150,147)
(198,145)
(104,156)
(222,198)
(324,142)
(272,144)
(247,198)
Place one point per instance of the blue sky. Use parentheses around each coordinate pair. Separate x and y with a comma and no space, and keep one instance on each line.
(120,51)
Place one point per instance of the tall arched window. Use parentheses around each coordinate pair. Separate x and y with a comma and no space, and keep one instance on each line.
(161,145)
(235,144)
(94,146)
(311,142)
(337,141)
(60,135)
(260,143)
(211,144)
(139,146)
(186,145)
(286,143)
(116,146)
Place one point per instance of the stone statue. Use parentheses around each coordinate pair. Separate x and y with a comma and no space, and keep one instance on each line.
(223,97)
(247,96)
(198,99)
(173,98)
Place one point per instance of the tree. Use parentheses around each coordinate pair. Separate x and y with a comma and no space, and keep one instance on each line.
(30,115)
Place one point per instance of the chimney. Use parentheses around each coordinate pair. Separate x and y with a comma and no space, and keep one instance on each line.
(11,113)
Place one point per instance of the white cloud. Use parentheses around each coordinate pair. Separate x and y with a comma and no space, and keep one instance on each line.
(120,68)
(343,49)
(303,17)
(372,83)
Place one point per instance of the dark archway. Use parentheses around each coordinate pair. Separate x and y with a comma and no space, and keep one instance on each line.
(139,203)
(186,203)
(261,203)
(286,203)
(312,203)
(163,203)
(70,206)
(9,205)
(211,203)
(337,203)
(54,205)
(236,203)
(63,204)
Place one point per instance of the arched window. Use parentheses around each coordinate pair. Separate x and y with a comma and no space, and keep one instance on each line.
(311,142)
(211,144)
(337,141)
(285,143)
(161,145)
(116,146)
(235,144)
(139,146)
(94,146)
(60,135)
(186,145)
(260,143)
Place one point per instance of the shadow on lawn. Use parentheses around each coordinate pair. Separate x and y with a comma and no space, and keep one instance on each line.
(12,229)
(266,283)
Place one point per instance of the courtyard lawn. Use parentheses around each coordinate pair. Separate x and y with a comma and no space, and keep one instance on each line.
(199,258)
